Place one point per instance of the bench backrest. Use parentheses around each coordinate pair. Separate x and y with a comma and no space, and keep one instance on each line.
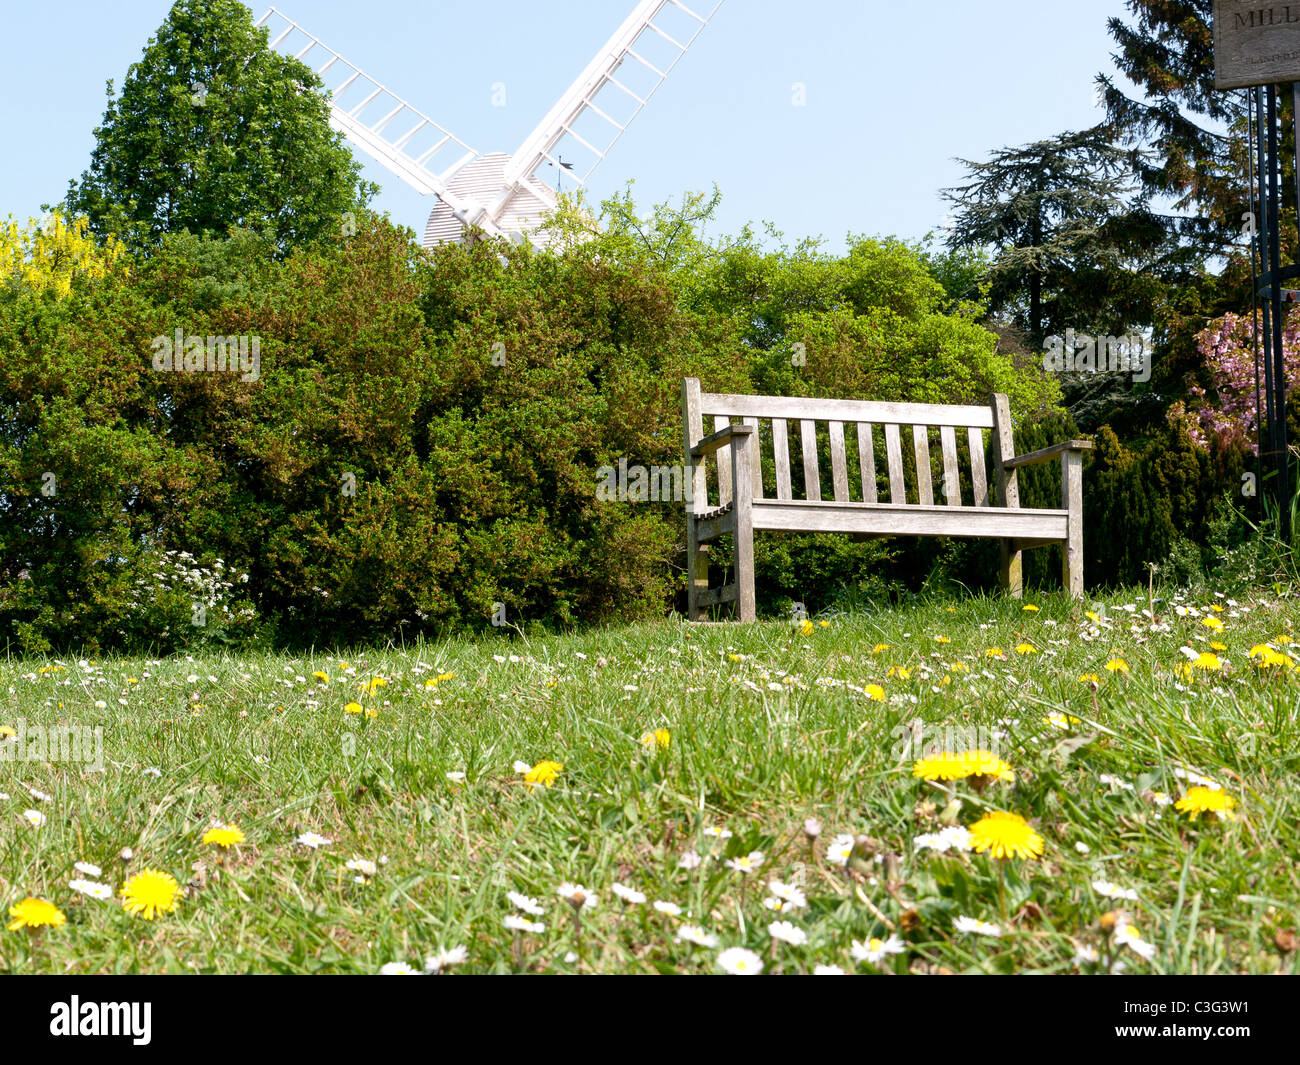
(946,443)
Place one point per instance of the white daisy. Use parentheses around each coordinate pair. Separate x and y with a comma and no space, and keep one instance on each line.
(91,888)
(1085,956)
(670,908)
(839,849)
(689,860)
(973,925)
(577,896)
(790,897)
(398,968)
(628,894)
(89,870)
(745,863)
(445,959)
(313,840)
(35,817)
(828,970)
(364,866)
(875,950)
(522,924)
(718,833)
(1113,891)
(737,961)
(526,903)
(689,933)
(787,933)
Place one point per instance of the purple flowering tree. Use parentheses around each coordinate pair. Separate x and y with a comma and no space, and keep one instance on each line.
(1227,411)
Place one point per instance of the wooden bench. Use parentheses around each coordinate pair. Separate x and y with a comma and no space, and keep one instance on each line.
(743,427)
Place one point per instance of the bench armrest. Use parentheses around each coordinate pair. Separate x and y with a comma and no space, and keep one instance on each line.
(1047,453)
(721,438)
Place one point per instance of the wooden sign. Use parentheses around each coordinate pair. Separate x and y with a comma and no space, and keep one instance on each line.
(1255,43)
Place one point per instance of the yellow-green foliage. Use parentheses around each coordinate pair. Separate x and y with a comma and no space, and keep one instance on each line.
(49,255)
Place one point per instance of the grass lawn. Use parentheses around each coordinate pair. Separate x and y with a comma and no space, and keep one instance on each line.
(431,824)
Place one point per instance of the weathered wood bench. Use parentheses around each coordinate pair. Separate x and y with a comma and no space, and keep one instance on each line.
(742,506)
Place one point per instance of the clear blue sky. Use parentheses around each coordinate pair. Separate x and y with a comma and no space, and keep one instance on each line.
(895,90)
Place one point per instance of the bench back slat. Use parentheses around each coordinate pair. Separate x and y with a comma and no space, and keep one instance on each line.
(951,478)
(808,440)
(979,482)
(781,451)
(839,466)
(756,459)
(894,457)
(867,461)
(921,449)
(724,464)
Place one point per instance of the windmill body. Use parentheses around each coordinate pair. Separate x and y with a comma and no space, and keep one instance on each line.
(500,194)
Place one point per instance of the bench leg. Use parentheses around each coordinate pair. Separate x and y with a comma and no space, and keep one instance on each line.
(743,501)
(1010,575)
(697,572)
(1072,500)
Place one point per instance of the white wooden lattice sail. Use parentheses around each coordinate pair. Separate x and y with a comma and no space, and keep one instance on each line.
(503,195)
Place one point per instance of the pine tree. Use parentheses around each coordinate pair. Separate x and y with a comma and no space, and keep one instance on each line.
(1068,243)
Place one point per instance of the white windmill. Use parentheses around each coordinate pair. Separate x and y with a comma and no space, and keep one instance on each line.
(504,195)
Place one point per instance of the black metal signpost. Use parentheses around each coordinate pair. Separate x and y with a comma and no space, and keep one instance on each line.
(1257,48)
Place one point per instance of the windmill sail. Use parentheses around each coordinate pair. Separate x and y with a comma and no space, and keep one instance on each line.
(396,134)
(503,195)
(587,120)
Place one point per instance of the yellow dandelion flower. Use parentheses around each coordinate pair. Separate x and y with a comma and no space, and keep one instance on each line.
(1092,615)
(807,627)
(941,766)
(900,672)
(1212,623)
(1283,638)
(942,639)
(995,652)
(1266,657)
(1029,608)
(1117,665)
(544,772)
(882,647)
(1090,678)
(1208,661)
(149,893)
(1005,835)
(660,738)
(223,836)
(322,676)
(1215,645)
(876,692)
(1057,719)
(1026,649)
(824,624)
(35,913)
(959,667)
(6,732)
(987,764)
(1199,800)
(352,708)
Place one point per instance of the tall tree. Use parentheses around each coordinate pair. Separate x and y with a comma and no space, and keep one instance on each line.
(1197,134)
(213,130)
(1069,244)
